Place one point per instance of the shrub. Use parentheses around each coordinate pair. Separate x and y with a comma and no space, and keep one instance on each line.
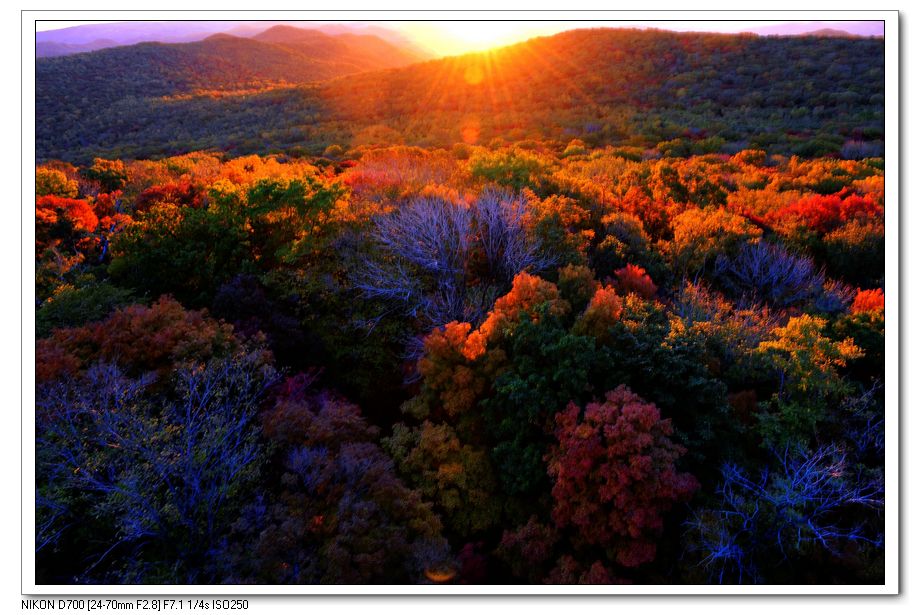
(138,339)
(766,272)
(75,306)
(868,301)
(702,235)
(340,514)
(55,183)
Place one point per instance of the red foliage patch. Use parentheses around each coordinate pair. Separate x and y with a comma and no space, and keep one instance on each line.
(184,194)
(634,279)
(50,210)
(868,301)
(824,213)
(614,474)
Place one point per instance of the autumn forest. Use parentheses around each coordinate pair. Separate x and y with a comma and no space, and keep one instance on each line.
(602,307)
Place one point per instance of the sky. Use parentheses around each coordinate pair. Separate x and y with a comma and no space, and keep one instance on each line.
(456,37)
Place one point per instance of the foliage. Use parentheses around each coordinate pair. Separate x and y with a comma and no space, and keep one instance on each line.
(455,476)
(55,183)
(178,246)
(624,241)
(702,235)
(528,549)
(514,168)
(807,365)
(855,252)
(340,515)
(823,213)
(868,301)
(614,474)
(139,339)
(633,279)
(76,306)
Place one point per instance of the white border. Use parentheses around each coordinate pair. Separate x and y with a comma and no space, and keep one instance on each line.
(892,144)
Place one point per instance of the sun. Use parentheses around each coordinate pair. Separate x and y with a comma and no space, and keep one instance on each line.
(458,37)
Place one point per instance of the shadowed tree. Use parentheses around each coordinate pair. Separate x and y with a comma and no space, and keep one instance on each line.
(156,479)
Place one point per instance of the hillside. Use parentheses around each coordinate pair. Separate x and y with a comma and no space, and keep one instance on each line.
(709,92)
(617,85)
(830,32)
(102,97)
(221,61)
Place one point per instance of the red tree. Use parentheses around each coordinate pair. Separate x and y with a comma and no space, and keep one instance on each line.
(614,474)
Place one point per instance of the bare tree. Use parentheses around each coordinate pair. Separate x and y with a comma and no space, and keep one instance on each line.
(164,471)
(500,225)
(808,499)
(423,251)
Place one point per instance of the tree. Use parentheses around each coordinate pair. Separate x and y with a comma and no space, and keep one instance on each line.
(186,252)
(633,279)
(513,167)
(807,365)
(139,339)
(455,476)
(868,301)
(623,242)
(54,182)
(157,478)
(702,235)
(803,501)
(614,475)
(441,260)
(528,549)
(110,174)
(73,307)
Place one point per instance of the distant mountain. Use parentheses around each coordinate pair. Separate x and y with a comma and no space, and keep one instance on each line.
(49,49)
(830,33)
(283,34)
(91,37)
(806,28)
(130,32)
(363,50)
